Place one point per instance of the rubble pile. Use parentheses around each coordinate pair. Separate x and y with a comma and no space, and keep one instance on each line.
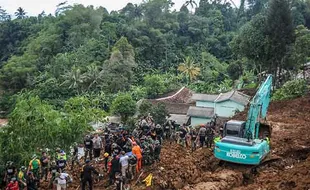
(179,168)
(290,121)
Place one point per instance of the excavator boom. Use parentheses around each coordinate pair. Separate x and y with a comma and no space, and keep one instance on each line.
(241,143)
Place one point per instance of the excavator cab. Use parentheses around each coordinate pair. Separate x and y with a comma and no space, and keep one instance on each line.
(234,147)
(234,128)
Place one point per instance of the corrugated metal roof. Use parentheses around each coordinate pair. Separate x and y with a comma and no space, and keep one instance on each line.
(240,98)
(205,97)
(225,96)
(180,119)
(232,95)
(173,108)
(235,96)
(181,96)
(200,112)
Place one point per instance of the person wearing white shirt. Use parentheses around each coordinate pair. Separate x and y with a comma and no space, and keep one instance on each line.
(124,163)
(61,179)
(97,145)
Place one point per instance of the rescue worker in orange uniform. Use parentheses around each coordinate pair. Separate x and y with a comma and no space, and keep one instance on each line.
(136,150)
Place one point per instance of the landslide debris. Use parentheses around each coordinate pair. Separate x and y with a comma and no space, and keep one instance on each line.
(181,169)
(290,140)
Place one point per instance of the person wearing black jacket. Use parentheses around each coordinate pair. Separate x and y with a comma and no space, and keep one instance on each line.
(115,167)
(32,181)
(159,132)
(89,147)
(116,149)
(44,165)
(86,175)
(53,170)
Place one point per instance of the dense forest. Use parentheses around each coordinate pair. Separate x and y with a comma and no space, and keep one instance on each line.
(60,71)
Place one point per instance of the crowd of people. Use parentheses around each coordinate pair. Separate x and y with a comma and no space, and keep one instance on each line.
(121,154)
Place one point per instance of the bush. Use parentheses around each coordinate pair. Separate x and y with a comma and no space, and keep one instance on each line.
(124,106)
(154,85)
(157,111)
(7,103)
(234,70)
(291,89)
(36,124)
(138,92)
(145,107)
(250,86)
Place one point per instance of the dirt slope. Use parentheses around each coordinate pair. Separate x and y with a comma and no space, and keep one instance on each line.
(180,169)
(290,140)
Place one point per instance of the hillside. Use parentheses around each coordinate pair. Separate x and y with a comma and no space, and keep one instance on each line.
(290,140)
(181,169)
(60,72)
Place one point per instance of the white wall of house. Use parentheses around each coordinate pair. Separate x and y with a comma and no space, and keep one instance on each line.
(227,108)
(205,104)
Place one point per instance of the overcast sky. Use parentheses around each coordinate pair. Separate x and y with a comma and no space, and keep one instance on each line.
(35,7)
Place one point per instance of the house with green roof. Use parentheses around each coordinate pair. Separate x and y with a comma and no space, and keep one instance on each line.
(224,105)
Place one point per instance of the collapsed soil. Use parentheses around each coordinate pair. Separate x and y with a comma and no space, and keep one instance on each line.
(290,140)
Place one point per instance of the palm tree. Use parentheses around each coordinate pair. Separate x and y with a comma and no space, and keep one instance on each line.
(4,15)
(20,13)
(93,75)
(137,11)
(74,79)
(62,7)
(225,85)
(192,3)
(189,68)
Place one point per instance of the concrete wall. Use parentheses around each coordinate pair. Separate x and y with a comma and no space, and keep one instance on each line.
(227,108)
(198,120)
(204,104)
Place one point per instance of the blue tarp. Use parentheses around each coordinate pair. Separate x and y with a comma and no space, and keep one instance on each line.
(129,153)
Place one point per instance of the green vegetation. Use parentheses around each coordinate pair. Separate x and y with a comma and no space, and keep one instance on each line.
(291,89)
(157,111)
(71,66)
(124,106)
(36,124)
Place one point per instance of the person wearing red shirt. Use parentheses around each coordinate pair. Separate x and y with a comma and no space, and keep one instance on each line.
(13,185)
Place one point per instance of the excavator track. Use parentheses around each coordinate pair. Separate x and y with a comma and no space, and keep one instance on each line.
(248,169)
(269,159)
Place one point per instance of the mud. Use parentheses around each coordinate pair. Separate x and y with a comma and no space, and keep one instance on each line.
(290,122)
(290,140)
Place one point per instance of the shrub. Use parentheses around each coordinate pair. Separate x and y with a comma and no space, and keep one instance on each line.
(291,89)
(145,107)
(157,111)
(36,124)
(124,106)
(154,85)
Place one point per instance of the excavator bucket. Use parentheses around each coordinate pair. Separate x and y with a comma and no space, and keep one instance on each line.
(265,130)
